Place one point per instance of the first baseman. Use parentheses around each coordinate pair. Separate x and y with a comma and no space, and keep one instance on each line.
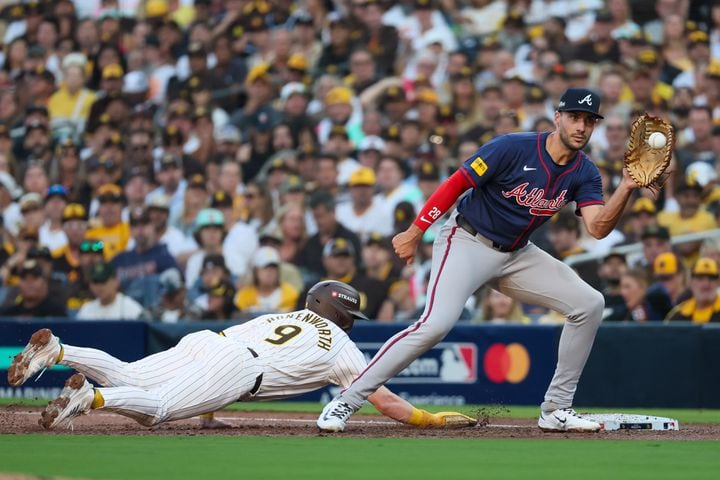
(268,358)
(518,182)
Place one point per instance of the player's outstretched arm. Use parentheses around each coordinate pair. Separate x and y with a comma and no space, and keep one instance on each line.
(405,243)
(600,220)
(398,409)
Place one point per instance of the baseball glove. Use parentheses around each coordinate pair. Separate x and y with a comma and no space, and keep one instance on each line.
(645,164)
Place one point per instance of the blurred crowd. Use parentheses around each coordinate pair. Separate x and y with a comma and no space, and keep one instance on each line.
(176,160)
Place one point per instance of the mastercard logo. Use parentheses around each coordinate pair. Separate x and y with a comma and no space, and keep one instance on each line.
(506,363)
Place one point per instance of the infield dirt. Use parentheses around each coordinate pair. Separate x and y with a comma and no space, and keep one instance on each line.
(16,419)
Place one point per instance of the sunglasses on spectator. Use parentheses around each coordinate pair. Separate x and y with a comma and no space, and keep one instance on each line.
(710,278)
(88,246)
(138,222)
(362,61)
(30,208)
(66,149)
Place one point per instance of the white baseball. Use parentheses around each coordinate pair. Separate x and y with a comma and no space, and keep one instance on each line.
(657,140)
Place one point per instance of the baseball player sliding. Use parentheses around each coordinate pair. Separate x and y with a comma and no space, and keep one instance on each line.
(517,181)
(268,358)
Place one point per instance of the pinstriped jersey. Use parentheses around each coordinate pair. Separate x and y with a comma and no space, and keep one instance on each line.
(301,352)
(518,187)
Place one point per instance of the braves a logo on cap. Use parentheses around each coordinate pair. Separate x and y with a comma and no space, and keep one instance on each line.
(535,199)
(581,100)
(586,99)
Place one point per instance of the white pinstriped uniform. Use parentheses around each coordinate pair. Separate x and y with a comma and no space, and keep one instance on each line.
(297,352)
(318,355)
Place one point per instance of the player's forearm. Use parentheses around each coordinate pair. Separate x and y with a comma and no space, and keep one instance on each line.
(442,199)
(391,405)
(398,409)
(607,218)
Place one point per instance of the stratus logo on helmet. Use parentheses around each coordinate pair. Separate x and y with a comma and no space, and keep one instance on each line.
(346,297)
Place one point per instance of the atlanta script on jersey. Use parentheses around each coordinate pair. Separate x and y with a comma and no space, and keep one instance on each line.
(518,187)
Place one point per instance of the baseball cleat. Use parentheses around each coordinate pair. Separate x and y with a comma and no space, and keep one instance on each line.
(74,400)
(335,416)
(40,353)
(566,420)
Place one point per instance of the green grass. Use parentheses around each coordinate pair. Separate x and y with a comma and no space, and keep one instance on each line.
(495,411)
(30,402)
(316,458)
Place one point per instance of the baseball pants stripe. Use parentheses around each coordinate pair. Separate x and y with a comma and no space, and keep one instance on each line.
(535,277)
(453,280)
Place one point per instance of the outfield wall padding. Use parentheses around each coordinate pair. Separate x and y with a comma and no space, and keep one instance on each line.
(653,365)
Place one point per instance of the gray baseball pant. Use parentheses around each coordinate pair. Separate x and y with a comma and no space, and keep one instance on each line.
(461,264)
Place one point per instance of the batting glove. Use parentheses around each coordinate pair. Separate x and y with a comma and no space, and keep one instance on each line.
(424,419)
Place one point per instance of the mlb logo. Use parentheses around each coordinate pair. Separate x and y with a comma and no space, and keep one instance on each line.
(446,362)
(459,363)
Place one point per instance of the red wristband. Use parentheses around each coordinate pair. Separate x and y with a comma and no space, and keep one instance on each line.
(442,199)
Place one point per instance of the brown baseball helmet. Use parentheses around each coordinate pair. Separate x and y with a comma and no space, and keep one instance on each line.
(335,301)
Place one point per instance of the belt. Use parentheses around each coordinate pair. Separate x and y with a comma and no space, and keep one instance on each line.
(258,380)
(465,225)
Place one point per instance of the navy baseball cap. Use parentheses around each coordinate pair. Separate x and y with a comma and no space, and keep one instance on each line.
(56,191)
(101,272)
(580,100)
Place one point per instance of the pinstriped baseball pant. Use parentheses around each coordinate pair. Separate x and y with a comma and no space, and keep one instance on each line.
(202,373)
(461,264)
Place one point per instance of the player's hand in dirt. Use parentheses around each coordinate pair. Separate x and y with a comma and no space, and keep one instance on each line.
(423,419)
(453,420)
(405,243)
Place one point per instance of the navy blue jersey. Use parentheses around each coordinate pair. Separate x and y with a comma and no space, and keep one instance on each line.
(132,265)
(518,187)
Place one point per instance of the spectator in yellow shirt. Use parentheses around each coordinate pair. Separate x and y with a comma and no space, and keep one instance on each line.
(704,305)
(113,232)
(691,217)
(267,292)
(72,101)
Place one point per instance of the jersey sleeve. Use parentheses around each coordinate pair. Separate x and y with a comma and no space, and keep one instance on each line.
(485,163)
(590,190)
(442,199)
(349,364)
